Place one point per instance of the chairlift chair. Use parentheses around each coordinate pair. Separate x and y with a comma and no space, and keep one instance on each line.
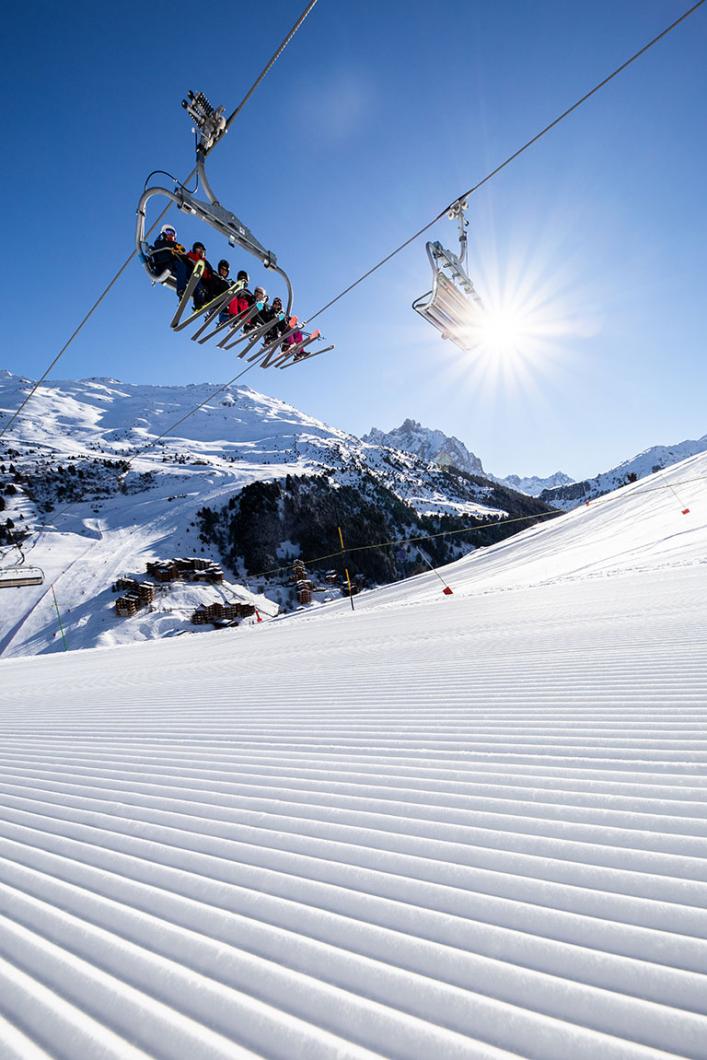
(453,306)
(20,576)
(210,124)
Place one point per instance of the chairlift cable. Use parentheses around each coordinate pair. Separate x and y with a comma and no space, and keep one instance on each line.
(584,98)
(140,452)
(389,256)
(266,69)
(168,430)
(511,158)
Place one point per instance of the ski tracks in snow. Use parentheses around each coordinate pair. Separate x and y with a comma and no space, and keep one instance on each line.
(476,829)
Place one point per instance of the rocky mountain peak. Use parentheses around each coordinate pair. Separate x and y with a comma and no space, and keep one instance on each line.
(433,446)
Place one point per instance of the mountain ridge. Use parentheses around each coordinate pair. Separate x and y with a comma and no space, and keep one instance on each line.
(648,462)
(88,483)
(558,490)
(435,446)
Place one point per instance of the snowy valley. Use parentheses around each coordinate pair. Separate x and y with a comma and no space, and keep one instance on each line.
(320,745)
(93,493)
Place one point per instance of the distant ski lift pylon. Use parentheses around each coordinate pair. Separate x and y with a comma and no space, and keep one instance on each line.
(210,125)
(453,306)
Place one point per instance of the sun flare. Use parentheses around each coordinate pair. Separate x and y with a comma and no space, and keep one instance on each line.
(503,331)
(525,331)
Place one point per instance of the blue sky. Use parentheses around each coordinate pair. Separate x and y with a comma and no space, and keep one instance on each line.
(377,116)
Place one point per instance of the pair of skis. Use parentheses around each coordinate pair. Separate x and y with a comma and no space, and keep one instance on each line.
(272,353)
(197,272)
(297,352)
(232,323)
(210,309)
(301,355)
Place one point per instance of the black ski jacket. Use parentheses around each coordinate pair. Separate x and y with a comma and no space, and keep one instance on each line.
(163,254)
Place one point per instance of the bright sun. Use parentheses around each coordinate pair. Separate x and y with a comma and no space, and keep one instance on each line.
(534,312)
(503,331)
(523,332)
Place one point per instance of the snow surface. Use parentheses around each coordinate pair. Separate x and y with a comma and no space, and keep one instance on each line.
(455,826)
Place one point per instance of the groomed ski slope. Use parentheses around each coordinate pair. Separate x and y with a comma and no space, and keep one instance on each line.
(440,826)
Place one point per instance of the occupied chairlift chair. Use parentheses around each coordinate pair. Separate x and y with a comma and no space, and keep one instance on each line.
(210,124)
(453,306)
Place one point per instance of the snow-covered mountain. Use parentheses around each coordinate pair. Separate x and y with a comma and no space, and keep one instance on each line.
(533,485)
(89,518)
(429,445)
(436,447)
(568,496)
(237,431)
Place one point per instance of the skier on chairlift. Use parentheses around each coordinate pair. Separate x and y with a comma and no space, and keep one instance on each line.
(275,313)
(167,253)
(218,284)
(260,297)
(294,339)
(243,299)
(220,281)
(201,291)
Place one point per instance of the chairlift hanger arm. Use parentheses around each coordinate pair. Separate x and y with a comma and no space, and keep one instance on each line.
(211,125)
(456,212)
(215,215)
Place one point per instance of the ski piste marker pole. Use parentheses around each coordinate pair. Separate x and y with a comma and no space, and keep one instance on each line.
(58,616)
(346,569)
(685,510)
(447,590)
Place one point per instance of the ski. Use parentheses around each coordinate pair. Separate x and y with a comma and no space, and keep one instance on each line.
(294,350)
(269,352)
(255,333)
(242,319)
(249,347)
(245,336)
(188,292)
(306,357)
(230,322)
(209,310)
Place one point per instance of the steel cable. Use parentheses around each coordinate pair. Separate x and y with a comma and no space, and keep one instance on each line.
(389,256)
(266,69)
(511,158)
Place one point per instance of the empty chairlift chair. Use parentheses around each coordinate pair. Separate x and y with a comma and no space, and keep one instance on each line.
(20,576)
(453,306)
